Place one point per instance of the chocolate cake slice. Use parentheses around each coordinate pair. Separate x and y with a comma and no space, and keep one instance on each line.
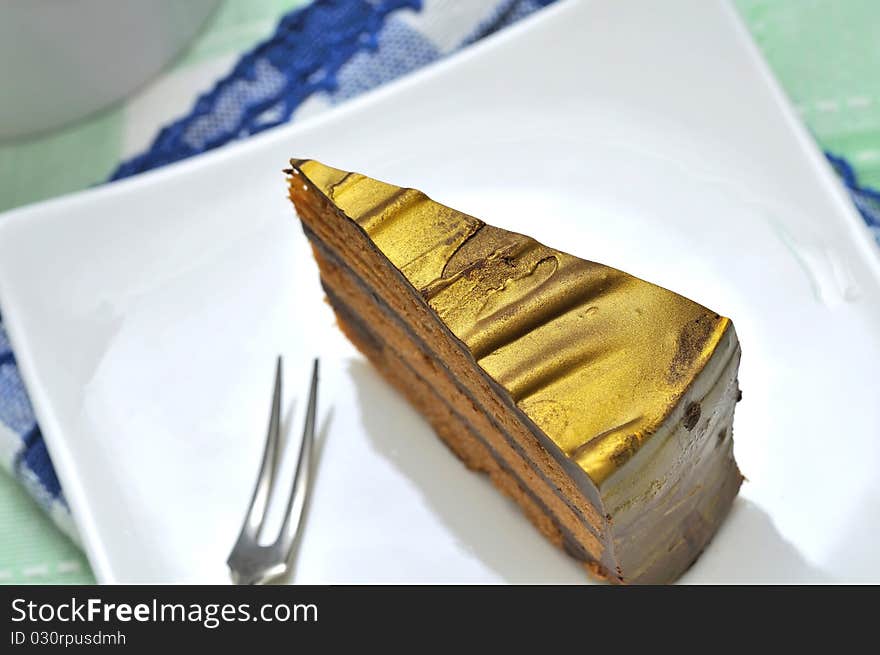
(601,403)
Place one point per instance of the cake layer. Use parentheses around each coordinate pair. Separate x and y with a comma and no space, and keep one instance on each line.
(345,290)
(540,350)
(456,432)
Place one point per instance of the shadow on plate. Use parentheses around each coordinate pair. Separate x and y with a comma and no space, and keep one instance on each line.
(748,549)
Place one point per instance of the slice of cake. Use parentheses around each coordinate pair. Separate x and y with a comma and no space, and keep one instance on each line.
(600,403)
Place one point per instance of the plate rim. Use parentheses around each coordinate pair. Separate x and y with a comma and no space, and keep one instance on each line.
(49,422)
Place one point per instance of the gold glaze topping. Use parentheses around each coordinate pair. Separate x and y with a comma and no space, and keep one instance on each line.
(595,357)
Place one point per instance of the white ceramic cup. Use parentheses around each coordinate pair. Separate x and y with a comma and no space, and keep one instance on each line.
(61,60)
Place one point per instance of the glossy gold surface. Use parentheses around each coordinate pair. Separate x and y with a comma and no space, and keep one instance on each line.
(595,357)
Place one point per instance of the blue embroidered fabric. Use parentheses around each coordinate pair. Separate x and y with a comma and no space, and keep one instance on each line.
(338,48)
(319,56)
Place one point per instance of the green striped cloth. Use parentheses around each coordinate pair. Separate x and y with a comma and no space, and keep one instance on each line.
(825,52)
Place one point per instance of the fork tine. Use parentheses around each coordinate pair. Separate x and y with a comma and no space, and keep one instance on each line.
(302,478)
(256,513)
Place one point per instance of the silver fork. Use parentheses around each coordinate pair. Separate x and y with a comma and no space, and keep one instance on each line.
(253,563)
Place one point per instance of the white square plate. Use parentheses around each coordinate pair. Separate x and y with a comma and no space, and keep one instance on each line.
(146,315)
